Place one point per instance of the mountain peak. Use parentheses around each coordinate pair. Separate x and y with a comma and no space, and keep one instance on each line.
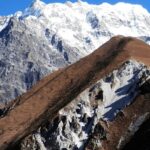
(35,8)
(37,3)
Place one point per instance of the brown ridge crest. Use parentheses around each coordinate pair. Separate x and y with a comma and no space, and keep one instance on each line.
(55,91)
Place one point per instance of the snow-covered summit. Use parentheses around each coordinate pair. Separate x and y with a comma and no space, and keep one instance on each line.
(35,8)
(89,23)
(123,7)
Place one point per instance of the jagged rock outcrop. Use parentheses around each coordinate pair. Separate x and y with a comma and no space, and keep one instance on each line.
(57,90)
(46,37)
(84,123)
(127,122)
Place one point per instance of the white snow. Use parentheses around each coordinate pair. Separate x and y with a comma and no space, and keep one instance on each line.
(75,21)
(40,142)
(4,23)
(119,92)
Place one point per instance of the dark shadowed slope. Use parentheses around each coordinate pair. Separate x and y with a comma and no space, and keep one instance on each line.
(57,90)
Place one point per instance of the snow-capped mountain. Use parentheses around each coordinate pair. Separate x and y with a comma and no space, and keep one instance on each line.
(46,37)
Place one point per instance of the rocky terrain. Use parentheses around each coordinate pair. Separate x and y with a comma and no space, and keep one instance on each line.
(110,87)
(73,102)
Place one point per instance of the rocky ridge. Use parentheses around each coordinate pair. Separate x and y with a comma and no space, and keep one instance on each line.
(128,73)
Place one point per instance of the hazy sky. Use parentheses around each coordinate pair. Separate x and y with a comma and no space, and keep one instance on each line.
(11,6)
